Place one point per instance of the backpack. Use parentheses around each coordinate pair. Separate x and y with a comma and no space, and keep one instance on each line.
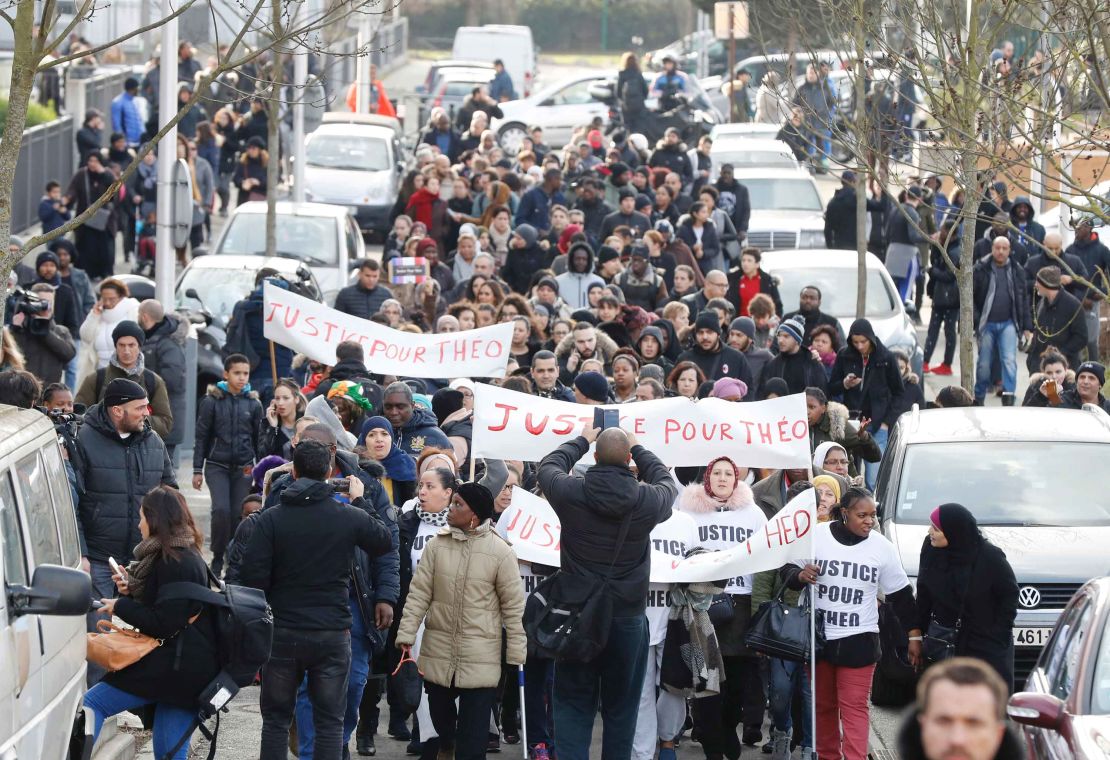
(245,631)
(150,382)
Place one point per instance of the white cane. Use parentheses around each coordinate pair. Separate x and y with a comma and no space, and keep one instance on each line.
(523,714)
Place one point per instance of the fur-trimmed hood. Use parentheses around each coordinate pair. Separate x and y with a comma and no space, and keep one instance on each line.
(837,416)
(1037,378)
(693,498)
(606,347)
(216,392)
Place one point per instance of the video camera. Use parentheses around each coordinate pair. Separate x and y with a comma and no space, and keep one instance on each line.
(67,425)
(26,302)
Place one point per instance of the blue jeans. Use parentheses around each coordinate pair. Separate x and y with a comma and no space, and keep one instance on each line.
(356,682)
(170,722)
(71,367)
(786,679)
(614,680)
(1003,337)
(538,680)
(871,469)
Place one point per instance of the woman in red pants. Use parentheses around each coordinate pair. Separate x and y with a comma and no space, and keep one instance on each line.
(853,563)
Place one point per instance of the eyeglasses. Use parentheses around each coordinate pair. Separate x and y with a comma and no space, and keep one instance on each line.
(836,461)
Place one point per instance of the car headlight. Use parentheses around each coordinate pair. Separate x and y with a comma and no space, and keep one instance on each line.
(376,194)
(811,239)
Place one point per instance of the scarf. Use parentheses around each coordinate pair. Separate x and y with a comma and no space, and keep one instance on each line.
(222,385)
(136,371)
(693,665)
(147,553)
(435,519)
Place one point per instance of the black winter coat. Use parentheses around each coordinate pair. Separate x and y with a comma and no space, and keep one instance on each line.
(879,395)
(799,370)
(113,475)
(724,362)
(840,218)
(592,509)
(301,552)
(1061,325)
(228,428)
(521,264)
(909,741)
(1019,292)
(360,302)
(164,354)
(673,157)
(989,599)
(176,672)
(46,350)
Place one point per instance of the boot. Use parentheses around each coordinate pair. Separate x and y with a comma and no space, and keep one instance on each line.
(780,749)
(364,745)
(1008,399)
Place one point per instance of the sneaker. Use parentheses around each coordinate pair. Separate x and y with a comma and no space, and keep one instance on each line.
(943,369)
(752,735)
(539,752)
(667,753)
(767,748)
(781,748)
(925,369)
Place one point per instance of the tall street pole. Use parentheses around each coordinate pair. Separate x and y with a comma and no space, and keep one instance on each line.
(165,257)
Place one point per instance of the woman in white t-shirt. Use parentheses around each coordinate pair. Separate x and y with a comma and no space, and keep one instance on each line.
(726,515)
(853,562)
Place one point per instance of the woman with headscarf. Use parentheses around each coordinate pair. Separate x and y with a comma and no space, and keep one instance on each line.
(966,583)
(831,456)
(828,494)
(466,591)
(399,480)
(725,511)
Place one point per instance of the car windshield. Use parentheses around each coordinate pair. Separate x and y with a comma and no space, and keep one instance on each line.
(1016,483)
(740,158)
(782,194)
(838,290)
(311,239)
(219,289)
(350,152)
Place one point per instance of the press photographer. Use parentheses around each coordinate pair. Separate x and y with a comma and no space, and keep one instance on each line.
(46,345)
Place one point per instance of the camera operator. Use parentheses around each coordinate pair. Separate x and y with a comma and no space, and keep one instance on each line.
(57,398)
(46,345)
(67,307)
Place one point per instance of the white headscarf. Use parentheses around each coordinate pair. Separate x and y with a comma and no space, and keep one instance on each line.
(822,451)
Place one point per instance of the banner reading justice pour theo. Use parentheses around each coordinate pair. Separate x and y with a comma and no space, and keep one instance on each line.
(681,432)
(314,330)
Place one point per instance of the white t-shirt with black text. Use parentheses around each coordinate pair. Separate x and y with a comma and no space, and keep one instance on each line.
(673,537)
(727,530)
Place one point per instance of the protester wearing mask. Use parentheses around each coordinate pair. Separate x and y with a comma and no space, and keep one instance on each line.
(966,583)
(853,563)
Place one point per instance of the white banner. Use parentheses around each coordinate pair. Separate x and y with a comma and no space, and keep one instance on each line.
(314,330)
(681,432)
(532,527)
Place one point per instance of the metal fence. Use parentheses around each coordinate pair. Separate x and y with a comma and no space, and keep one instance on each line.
(46,153)
(97,91)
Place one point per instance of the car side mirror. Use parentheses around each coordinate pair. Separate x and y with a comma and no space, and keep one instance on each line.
(192,293)
(1032,709)
(54,590)
(911,308)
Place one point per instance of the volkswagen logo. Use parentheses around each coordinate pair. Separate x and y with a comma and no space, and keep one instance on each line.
(1029,597)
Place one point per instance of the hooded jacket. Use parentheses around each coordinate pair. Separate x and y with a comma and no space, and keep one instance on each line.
(1059,325)
(592,509)
(228,428)
(467,591)
(877,396)
(723,361)
(604,351)
(522,263)
(421,430)
(653,331)
(113,475)
(301,553)
(164,352)
(1032,229)
(1095,256)
(673,157)
(574,287)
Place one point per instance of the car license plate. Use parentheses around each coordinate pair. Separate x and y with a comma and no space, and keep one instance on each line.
(1031,637)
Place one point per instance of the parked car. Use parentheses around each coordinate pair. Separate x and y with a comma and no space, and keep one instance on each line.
(511,44)
(750,153)
(45,598)
(836,273)
(323,236)
(357,163)
(686,48)
(794,64)
(1030,477)
(559,109)
(786,208)
(441,65)
(451,88)
(744,129)
(1064,710)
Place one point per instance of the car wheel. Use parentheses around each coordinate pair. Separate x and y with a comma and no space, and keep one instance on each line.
(511,136)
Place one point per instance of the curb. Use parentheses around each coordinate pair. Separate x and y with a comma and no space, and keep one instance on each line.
(114,744)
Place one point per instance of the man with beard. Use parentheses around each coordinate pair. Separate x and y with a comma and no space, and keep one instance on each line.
(741,336)
(594,209)
(809,311)
(714,357)
(584,343)
(795,366)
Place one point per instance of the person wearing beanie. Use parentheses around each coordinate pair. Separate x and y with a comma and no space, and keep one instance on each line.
(1089,379)
(127,361)
(741,336)
(609,263)
(625,215)
(469,576)
(592,389)
(713,356)
(794,365)
(525,258)
(729,389)
(1055,325)
(250,172)
(66,307)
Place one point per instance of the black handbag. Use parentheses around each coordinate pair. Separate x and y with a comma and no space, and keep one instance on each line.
(407,682)
(939,640)
(102,216)
(783,630)
(721,610)
(567,618)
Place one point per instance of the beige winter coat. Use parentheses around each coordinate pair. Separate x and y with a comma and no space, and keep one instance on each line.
(466,589)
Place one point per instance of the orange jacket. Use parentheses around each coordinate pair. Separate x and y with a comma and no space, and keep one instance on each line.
(385,108)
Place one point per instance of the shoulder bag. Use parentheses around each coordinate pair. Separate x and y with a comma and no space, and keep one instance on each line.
(782,630)
(567,617)
(939,641)
(114,648)
(102,216)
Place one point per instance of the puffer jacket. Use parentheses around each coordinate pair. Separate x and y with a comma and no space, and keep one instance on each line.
(164,352)
(466,590)
(833,426)
(420,431)
(228,429)
(878,396)
(113,474)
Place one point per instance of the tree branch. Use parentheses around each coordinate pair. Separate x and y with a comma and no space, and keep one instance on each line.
(118,40)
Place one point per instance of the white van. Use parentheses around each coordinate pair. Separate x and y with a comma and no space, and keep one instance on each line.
(511,44)
(42,609)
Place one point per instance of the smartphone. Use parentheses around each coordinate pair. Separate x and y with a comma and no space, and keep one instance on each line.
(606,418)
(116,569)
(1052,391)
(341,485)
